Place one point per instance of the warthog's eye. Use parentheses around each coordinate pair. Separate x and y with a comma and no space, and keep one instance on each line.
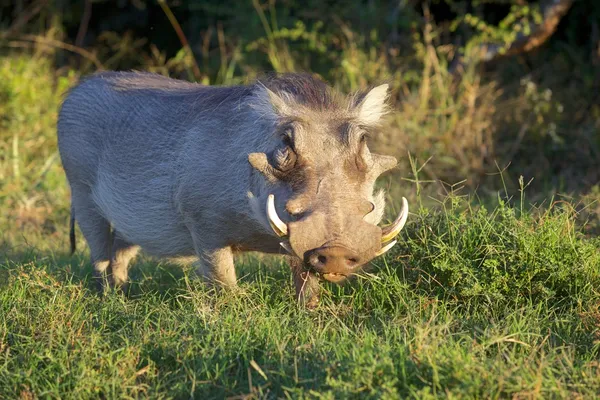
(285,159)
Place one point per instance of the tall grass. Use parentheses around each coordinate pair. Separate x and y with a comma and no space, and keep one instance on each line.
(540,115)
(33,190)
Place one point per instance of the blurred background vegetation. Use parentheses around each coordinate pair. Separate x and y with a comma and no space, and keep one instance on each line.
(480,88)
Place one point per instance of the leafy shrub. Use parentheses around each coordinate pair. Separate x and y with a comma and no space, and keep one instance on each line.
(482,256)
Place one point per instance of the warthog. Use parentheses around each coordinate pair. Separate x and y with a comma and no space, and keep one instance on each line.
(179,169)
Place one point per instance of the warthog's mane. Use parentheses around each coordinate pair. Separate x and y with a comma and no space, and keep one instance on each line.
(306,90)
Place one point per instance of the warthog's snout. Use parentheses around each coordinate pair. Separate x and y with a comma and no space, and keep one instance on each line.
(333,263)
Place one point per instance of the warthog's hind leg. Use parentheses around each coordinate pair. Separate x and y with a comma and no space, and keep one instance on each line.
(96,231)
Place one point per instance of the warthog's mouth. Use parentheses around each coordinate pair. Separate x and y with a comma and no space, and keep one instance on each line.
(334,277)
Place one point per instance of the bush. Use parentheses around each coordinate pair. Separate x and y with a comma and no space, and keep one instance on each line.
(500,256)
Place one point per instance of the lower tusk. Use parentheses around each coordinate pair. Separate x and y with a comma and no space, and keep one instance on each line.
(385,248)
(286,246)
(391,231)
(276,223)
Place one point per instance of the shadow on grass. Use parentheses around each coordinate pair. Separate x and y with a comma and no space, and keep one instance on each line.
(147,275)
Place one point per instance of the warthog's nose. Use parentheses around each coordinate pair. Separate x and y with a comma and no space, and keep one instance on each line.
(332,260)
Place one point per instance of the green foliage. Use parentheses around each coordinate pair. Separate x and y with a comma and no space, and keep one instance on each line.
(464,120)
(546,112)
(501,257)
(520,21)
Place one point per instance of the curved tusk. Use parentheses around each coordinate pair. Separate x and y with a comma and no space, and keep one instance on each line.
(276,223)
(391,231)
(286,246)
(385,248)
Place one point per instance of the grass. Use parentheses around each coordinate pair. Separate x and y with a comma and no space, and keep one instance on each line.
(471,304)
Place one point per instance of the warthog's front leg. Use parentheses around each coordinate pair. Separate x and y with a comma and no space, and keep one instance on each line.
(216,267)
(306,283)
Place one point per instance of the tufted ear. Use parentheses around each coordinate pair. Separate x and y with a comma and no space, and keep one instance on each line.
(373,105)
(271,104)
(383,163)
(281,102)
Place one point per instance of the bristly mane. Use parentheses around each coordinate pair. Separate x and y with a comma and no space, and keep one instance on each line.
(305,88)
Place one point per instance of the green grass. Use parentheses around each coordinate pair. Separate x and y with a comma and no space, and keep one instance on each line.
(473,303)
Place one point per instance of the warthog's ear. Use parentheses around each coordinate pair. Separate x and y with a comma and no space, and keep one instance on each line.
(281,102)
(373,105)
(271,103)
(383,163)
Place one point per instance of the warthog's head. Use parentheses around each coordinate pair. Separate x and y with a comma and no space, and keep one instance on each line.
(321,174)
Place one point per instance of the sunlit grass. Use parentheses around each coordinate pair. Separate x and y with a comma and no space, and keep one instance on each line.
(471,304)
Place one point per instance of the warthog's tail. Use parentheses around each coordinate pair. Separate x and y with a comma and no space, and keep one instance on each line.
(72,232)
